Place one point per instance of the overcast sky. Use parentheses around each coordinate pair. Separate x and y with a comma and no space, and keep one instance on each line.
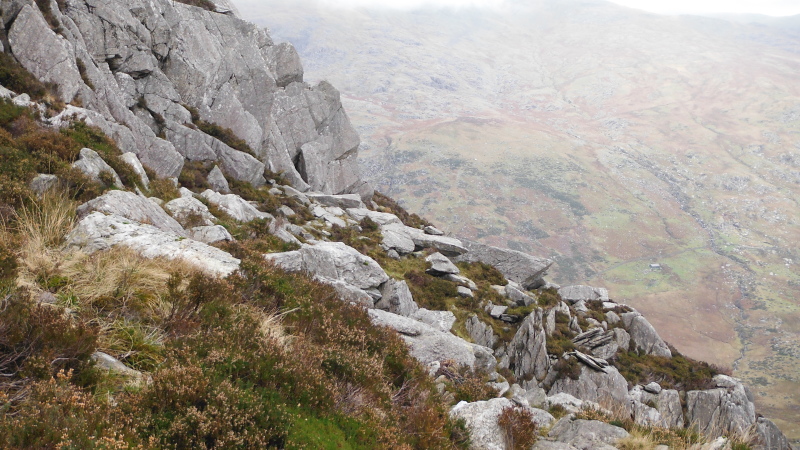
(768,7)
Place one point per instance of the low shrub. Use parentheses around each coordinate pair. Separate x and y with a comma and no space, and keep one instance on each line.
(430,292)
(519,429)
(678,372)
(548,298)
(478,272)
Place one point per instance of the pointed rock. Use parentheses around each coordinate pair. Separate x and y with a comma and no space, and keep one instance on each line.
(217,181)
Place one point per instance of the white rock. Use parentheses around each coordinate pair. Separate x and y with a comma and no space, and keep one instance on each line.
(133,207)
(92,165)
(132,160)
(210,234)
(235,206)
(98,231)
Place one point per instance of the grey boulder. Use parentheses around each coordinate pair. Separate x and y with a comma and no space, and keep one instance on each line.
(528,349)
(133,207)
(92,165)
(396,298)
(516,266)
(428,344)
(235,206)
(481,418)
(441,265)
(586,434)
(218,182)
(644,336)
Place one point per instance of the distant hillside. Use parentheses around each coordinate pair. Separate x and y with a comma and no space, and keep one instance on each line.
(604,138)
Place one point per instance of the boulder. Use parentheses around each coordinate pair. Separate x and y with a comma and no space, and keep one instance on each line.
(608,388)
(462,280)
(133,207)
(344,201)
(644,336)
(210,234)
(441,265)
(428,344)
(573,294)
(726,409)
(516,266)
(381,218)
(481,419)
(190,212)
(396,298)
(109,363)
(442,320)
(285,63)
(528,350)
(464,292)
(132,160)
(396,238)
(517,296)
(670,409)
(42,183)
(235,206)
(218,182)
(570,403)
(586,434)
(92,165)
(430,229)
(333,261)
(98,231)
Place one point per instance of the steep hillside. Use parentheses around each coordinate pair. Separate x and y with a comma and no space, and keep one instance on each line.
(604,138)
(190,259)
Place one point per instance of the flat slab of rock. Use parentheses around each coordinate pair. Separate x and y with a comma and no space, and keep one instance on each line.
(343,201)
(516,266)
(441,320)
(381,218)
(133,207)
(333,261)
(98,231)
(235,206)
(481,419)
(428,344)
(586,434)
(578,293)
(441,265)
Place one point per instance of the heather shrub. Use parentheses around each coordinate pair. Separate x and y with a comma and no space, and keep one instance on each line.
(678,372)
(409,219)
(519,429)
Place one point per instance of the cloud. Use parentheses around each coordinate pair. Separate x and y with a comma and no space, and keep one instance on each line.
(413,4)
(767,7)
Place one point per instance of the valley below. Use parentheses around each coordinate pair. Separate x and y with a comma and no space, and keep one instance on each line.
(655,156)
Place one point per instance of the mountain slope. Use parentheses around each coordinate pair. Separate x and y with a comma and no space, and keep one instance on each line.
(604,138)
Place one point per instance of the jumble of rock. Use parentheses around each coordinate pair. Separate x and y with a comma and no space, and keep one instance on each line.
(152,74)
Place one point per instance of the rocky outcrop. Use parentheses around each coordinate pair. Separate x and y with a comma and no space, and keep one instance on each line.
(516,266)
(573,294)
(608,388)
(586,434)
(333,261)
(144,62)
(428,344)
(442,320)
(643,336)
(190,212)
(98,231)
(133,207)
(727,409)
(480,332)
(528,350)
(397,298)
(441,265)
(92,165)
(481,419)
(769,437)
(235,206)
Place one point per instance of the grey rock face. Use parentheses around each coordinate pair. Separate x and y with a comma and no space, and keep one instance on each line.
(586,434)
(516,266)
(726,409)
(333,261)
(608,388)
(519,297)
(769,437)
(643,336)
(397,298)
(98,231)
(577,293)
(218,182)
(528,350)
(480,332)
(92,165)
(235,206)
(428,344)
(442,320)
(170,54)
(133,207)
(358,214)
(481,419)
(669,406)
(441,265)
